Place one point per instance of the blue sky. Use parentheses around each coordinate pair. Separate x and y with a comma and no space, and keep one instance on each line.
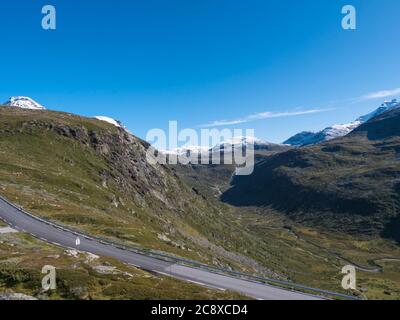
(200,62)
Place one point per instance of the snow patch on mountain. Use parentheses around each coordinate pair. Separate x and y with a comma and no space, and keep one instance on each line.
(226,145)
(24,103)
(188,150)
(109,120)
(386,106)
(338,130)
(239,142)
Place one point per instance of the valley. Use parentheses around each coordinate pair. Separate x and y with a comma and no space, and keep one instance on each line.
(209,150)
(91,175)
(310,245)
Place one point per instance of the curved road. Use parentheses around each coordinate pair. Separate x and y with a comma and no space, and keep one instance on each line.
(24,222)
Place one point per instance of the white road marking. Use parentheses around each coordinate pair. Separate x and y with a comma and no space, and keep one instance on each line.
(7,230)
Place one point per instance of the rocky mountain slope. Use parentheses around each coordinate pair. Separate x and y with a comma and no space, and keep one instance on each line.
(91,175)
(213,179)
(94,176)
(350,184)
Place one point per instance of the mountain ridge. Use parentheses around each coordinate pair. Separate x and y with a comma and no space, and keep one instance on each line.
(339,130)
(94,176)
(350,184)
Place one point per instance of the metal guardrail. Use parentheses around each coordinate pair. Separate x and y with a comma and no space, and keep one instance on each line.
(187,262)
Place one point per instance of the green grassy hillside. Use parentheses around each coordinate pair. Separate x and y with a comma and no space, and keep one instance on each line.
(350,184)
(93,176)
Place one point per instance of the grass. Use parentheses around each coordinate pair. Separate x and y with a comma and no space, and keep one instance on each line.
(22,258)
(315,257)
(50,166)
(303,254)
(345,185)
(66,179)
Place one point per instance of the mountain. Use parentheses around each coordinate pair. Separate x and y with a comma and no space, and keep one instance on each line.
(307,137)
(188,150)
(386,106)
(301,138)
(261,148)
(227,145)
(213,179)
(93,176)
(350,184)
(24,103)
(243,141)
(385,125)
(338,130)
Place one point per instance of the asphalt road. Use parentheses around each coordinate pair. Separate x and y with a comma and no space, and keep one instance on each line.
(62,237)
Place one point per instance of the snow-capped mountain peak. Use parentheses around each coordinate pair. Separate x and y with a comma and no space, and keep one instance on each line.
(245,140)
(188,150)
(240,141)
(24,103)
(226,145)
(338,130)
(385,106)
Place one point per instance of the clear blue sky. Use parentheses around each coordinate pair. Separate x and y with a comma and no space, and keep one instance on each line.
(148,62)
